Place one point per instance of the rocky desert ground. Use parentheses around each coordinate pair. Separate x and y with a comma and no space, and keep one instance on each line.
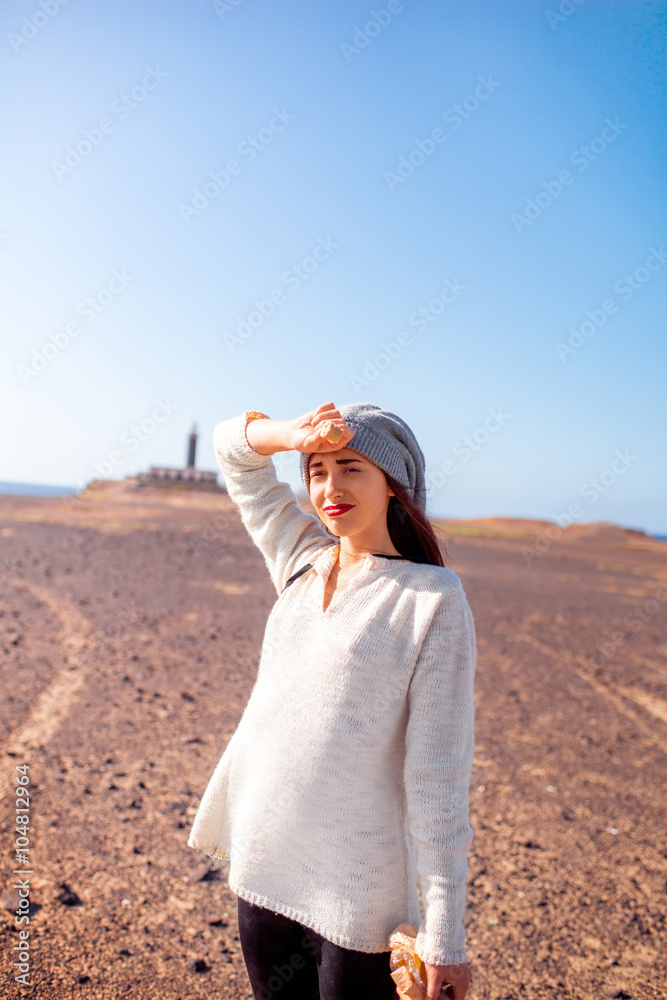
(130,626)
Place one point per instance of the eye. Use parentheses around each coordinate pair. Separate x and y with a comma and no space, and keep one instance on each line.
(350,468)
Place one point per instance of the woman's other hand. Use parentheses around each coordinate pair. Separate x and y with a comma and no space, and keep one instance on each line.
(304,433)
(457,977)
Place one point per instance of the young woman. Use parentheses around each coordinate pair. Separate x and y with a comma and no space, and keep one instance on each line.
(341,799)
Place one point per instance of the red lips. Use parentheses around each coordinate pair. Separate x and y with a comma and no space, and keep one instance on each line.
(338,509)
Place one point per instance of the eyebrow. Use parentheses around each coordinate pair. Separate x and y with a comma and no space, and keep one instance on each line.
(339,461)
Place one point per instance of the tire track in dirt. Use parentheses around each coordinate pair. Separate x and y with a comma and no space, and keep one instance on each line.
(55,701)
(654,706)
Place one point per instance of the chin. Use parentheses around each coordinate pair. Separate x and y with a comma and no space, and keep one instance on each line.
(332,525)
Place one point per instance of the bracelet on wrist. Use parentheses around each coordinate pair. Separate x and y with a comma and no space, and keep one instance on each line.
(251,415)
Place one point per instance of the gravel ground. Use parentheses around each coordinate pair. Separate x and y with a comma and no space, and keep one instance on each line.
(130,627)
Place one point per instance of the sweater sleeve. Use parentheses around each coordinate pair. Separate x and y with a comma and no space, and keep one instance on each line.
(437,770)
(284,533)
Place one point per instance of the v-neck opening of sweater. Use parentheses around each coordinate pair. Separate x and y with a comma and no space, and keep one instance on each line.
(372,561)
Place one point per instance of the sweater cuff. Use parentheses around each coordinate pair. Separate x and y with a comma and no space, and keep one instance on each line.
(232,448)
(429,951)
(441,935)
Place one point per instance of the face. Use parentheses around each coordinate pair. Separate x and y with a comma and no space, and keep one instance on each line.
(349,479)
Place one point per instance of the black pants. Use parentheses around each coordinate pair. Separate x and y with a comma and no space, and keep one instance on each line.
(287,961)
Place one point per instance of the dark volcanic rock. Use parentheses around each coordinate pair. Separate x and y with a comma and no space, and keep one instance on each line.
(67,896)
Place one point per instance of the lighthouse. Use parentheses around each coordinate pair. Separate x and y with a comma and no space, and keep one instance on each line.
(192,447)
(188,478)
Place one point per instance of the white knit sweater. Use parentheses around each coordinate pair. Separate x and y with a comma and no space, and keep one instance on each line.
(341,799)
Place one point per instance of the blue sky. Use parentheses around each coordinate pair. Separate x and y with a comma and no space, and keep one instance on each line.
(497,165)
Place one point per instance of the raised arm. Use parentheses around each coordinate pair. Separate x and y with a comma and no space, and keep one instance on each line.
(438,765)
(285,534)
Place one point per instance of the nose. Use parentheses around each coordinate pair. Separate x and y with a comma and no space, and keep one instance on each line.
(333,490)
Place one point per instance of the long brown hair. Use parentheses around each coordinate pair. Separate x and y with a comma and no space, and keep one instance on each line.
(410,529)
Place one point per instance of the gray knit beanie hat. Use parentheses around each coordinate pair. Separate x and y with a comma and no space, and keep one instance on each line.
(388,442)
